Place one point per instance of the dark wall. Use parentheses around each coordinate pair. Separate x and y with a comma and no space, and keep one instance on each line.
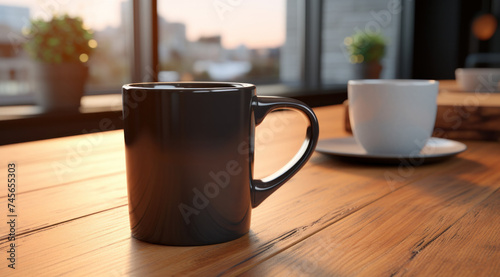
(436,39)
(442,37)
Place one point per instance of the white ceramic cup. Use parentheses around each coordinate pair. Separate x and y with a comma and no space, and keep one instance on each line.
(392,117)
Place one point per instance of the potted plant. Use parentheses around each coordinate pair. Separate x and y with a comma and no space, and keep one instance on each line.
(366,50)
(60,47)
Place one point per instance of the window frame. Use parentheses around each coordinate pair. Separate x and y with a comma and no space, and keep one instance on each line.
(144,68)
(145,61)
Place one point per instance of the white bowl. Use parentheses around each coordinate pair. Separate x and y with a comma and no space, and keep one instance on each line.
(478,79)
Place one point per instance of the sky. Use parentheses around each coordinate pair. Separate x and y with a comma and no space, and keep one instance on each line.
(255,23)
(97,14)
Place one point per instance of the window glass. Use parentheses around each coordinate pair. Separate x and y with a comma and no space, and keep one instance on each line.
(292,51)
(341,20)
(109,64)
(222,40)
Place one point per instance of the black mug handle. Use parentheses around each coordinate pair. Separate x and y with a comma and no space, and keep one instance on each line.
(263,105)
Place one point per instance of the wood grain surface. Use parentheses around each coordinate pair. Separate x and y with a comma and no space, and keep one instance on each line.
(332,218)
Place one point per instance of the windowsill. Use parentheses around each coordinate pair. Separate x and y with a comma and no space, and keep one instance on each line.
(89,104)
(27,122)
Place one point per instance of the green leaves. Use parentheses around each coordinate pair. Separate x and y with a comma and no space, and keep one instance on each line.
(53,41)
(61,39)
(365,47)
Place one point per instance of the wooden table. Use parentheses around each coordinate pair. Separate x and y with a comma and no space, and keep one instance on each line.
(332,218)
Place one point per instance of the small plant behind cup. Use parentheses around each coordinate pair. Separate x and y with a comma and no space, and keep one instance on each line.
(365,52)
(60,48)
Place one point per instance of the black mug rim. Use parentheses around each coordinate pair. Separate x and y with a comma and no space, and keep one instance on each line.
(198,86)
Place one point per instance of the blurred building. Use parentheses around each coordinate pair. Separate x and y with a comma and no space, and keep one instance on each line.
(172,43)
(240,53)
(207,48)
(16,17)
(14,63)
(218,63)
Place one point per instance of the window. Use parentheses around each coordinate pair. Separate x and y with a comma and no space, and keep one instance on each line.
(295,43)
(343,18)
(221,40)
(292,48)
(109,65)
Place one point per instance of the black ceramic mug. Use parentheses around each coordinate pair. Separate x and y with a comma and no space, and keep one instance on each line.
(189,155)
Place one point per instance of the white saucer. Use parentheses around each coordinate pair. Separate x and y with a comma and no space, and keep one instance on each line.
(436,149)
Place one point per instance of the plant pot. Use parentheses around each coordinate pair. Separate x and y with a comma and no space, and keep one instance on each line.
(59,87)
(369,70)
